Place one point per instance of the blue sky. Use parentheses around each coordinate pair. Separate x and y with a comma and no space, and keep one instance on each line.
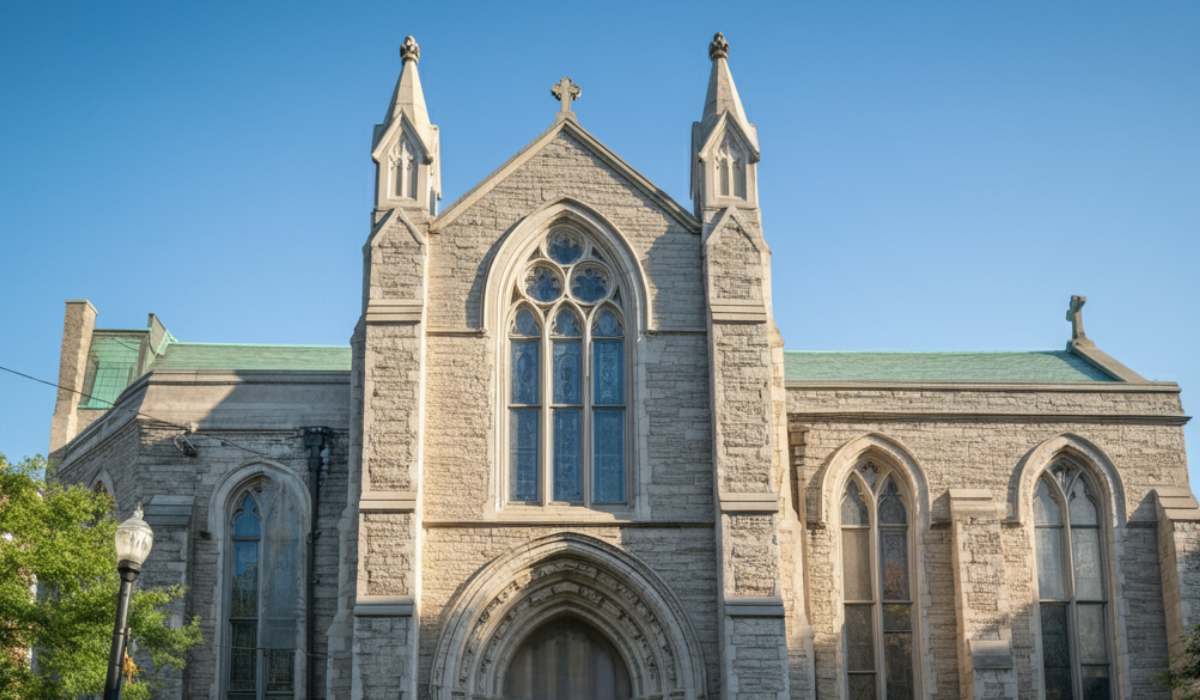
(934,176)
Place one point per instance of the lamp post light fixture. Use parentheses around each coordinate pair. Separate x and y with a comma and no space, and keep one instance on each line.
(134,539)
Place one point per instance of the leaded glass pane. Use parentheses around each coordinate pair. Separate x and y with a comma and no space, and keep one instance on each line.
(1096,683)
(525,372)
(564,247)
(568,371)
(589,285)
(608,463)
(568,469)
(893,560)
(523,454)
(607,326)
(860,638)
(862,686)
(246,524)
(609,371)
(1045,508)
(870,474)
(854,511)
(1056,651)
(242,664)
(543,284)
(1085,551)
(897,617)
(891,508)
(898,665)
(525,324)
(245,580)
(1050,563)
(1082,509)
(280,669)
(856,564)
(567,323)
(1092,648)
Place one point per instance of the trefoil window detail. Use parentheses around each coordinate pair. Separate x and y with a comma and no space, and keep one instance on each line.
(1072,586)
(877,586)
(567,418)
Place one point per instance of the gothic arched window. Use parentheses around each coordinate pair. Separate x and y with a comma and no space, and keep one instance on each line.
(1072,587)
(567,377)
(404,169)
(264,607)
(731,168)
(877,585)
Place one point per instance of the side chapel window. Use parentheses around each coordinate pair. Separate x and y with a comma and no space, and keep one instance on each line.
(263,594)
(567,377)
(877,586)
(1072,586)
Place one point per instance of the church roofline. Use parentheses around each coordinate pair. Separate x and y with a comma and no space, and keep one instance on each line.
(571,126)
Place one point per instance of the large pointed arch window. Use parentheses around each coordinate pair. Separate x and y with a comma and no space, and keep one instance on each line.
(567,422)
(264,620)
(877,585)
(1072,587)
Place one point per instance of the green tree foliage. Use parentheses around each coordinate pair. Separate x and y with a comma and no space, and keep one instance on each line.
(58,541)
(1184,675)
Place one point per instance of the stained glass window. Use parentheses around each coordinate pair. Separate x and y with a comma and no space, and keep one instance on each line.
(260,664)
(1071,586)
(877,587)
(567,377)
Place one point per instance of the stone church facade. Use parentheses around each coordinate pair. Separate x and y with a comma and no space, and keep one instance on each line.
(566,455)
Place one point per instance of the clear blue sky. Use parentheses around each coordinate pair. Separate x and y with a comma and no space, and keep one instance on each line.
(934,176)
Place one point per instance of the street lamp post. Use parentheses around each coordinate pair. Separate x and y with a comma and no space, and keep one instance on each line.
(134,539)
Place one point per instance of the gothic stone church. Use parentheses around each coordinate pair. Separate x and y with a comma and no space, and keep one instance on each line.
(565,455)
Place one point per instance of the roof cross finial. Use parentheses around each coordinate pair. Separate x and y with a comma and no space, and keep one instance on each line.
(1075,316)
(719,48)
(409,51)
(565,91)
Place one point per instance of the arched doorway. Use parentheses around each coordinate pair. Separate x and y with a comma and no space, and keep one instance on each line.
(566,658)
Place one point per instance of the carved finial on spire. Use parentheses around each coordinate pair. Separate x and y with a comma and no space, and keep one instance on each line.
(409,51)
(1075,316)
(719,48)
(565,91)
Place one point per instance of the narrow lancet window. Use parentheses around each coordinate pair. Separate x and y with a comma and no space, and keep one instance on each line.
(567,377)
(1072,587)
(877,587)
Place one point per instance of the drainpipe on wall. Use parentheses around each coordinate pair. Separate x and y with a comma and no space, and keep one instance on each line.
(319,442)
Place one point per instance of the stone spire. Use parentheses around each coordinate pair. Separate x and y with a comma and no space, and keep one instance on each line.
(722,97)
(408,98)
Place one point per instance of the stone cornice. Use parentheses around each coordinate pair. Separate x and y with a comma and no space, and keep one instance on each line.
(963,417)
(1046,387)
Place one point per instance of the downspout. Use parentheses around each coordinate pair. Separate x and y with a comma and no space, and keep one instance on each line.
(319,442)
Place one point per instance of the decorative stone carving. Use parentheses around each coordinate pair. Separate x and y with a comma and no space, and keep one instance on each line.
(567,574)
(719,48)
(409,51)
(566,91)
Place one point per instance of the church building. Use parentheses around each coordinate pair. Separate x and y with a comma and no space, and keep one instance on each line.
(565,455)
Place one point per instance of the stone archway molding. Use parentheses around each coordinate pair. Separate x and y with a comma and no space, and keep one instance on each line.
(567,574)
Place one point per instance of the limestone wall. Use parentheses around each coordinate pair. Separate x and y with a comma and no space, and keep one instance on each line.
(992,441)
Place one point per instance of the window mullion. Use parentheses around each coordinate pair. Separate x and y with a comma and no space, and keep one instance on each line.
(585,396)
(546,414)
(876,590)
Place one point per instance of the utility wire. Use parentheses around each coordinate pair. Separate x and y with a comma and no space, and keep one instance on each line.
(185,428)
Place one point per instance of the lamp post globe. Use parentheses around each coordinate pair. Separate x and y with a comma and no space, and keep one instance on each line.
(134,539)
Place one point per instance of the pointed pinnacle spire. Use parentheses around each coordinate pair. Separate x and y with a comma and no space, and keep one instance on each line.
(722,94)
(408,97)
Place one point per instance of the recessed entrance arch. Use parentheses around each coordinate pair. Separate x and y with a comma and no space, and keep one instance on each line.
(566,658)
(615,601)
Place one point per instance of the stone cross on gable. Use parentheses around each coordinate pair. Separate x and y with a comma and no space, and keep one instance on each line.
(565,91)
(1075,316)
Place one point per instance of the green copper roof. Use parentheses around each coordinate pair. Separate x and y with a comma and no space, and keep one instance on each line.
(237,356)
(1049,366)
(112,365)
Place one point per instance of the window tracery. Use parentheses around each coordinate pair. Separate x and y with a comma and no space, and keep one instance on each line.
(1072,586)
(877,585)
(567,377)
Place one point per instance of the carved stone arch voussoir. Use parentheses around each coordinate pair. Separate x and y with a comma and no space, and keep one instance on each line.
(1088,456)
(559,576)
(841,463)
